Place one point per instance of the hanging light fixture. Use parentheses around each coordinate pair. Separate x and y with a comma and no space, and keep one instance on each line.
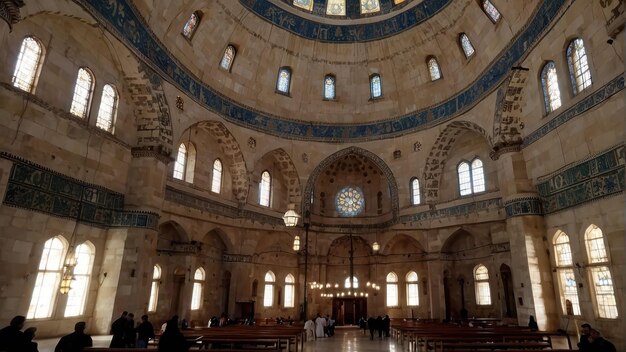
(291,217)
(296,243)
(68,271)
(375,246)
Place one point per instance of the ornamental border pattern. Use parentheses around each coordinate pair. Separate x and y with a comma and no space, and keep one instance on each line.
(36,188)
(523,207)
(124,21)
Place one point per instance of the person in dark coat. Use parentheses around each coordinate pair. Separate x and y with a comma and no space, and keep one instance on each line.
(117,330)
(532,324)
(76,341)
(12,337)
(29,335)
(145,332)
(379,326)
(363,324)
(172,339)
(371,324)
(386,325)
(597,343)
(130,335)
(583,344)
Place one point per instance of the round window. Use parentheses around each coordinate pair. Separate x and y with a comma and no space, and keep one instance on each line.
(350,201)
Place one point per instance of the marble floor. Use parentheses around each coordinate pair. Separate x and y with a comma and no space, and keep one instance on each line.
(345,339)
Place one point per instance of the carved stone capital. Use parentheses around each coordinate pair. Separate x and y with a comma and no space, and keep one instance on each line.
(152,152)
(503,149)
(10,11)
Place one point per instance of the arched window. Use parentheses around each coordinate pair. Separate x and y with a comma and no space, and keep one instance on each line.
(290,291)
(83,91)
(228,58)
(284,80)
(304,4)
(28,64)
(185,162)
(77,297)
(415,191)
(268,292)
(550,86)
(198,283)
(392,289)
(48,279)
(376,90)
(355,282)
(154,289)
(369,6)
(491,11)
(412,289)
(481,282)
(565,271)
(433,69)
(108,108)
(466,45)
(265,189)
(216,182)
(600,274)
(336,7)
(329,87)
(189,29)
(471,177)
(578,65)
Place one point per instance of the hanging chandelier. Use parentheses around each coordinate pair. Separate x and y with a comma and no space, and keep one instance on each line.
(333,290)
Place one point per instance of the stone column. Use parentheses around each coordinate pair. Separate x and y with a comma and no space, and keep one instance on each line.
(532,276)
(9,15)
(435,298)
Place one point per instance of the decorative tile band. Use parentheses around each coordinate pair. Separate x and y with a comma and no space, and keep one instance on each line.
(334,33)
(603,93)
(523,207)
(123,20)
(457,210)
(237,258)
(36,188)
(593,179)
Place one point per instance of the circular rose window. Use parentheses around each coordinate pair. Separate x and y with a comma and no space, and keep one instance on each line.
(350,201)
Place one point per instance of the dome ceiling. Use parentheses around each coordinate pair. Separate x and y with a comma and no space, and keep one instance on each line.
(191,67)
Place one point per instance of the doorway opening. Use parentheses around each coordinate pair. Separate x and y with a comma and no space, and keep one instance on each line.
(348,311)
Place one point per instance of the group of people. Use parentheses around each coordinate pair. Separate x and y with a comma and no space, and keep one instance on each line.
(320,327)
(592,341)
(127,335)
(12,339)
(380,324)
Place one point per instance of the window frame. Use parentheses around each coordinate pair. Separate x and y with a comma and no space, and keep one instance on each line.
(268,191)
(479,283)
(153,301)
(220,177)
(58,273)
(465,50)
(89,98)
(113,111)
(574,65)
(413,190)
(36,71)
(278,81)
(412,284)
(334,85)
(91,252)
(430,59)
(472,184)
(268,289)
(545,87)
(392,292)
(596,265)
(198,289)
(565,273)
(290,292)
(232,61)
(484,8)
(380,86)
(199,14)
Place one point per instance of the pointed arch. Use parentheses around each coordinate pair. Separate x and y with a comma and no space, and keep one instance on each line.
(439,154)
(380,163)
(288,173)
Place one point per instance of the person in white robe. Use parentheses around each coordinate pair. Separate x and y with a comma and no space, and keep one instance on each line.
(309,327)
(320,323)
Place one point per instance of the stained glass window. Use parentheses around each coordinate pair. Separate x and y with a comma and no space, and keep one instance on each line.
(376,90)
(304,4)
(369,6)
(336,7)
(228,58)
(77,297)
(191,25)
(28,64)
(550,85)
(433,69)
(284,80)
(268,292)
(481,280)
(350,201)
(289,291)
(216,182)
(491,11)
(468,48)
(108,108)
(392,290)
(415,191)
(198,283)
(412,289)
(83,89)
(48,279)
(154,289)
(578,65)
(265,189)
(329,87)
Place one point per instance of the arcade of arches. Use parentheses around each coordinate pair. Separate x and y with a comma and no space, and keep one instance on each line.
(451,156)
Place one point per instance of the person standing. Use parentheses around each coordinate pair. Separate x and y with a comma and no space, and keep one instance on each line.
(532,323)
(371,324)
(583,344)
(309,327)
(130,335)
(29,344)
(76,341)
(12,338)
(172,339)
(363,324)
(320,324)
(145,332)
(117,330)
(597,343)
(379,326)
(386,325)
